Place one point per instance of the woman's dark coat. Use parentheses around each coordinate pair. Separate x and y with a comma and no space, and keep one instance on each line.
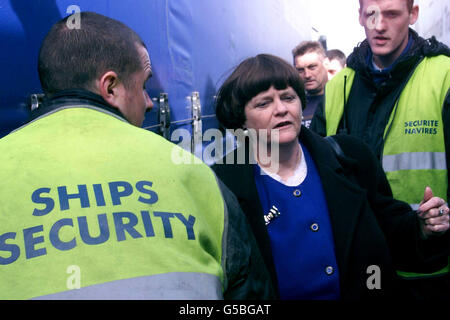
(369,227)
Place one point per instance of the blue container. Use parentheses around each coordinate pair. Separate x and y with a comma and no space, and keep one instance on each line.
(193,44)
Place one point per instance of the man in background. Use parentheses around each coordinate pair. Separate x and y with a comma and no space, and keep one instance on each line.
(86,191)
(335,62)
(395,95)
(309,58)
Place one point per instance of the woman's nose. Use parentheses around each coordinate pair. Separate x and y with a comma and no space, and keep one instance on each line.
(280,107)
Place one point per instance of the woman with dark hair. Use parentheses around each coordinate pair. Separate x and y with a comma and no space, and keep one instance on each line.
(324,218)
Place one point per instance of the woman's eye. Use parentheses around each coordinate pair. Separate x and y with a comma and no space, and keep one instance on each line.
(261,104)
(288,98)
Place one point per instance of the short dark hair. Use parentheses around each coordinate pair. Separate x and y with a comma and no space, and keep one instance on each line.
(251,77)
(308,46)
(336,54)
(74,58)
(409,4)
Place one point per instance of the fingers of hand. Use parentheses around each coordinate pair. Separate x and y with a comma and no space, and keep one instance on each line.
(434,202)
(437,228)
(437,220)
(436,215)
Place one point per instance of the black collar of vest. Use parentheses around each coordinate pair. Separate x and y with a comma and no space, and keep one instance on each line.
(72,97)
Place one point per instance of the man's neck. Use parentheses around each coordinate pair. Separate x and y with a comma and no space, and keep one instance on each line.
(315,93)
(72,96)
(386,61)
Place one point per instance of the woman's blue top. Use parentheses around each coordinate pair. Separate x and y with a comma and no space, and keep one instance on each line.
(301,236)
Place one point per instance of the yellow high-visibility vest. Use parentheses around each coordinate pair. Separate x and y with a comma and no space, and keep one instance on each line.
(413,156)
(91,205)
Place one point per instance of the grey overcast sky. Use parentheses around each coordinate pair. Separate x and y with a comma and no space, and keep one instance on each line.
(338,20)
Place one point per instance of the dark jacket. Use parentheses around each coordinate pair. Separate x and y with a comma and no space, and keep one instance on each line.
(369,104)
(369,226)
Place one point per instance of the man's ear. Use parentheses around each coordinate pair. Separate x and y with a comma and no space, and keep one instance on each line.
(414,15)
(361,21)
(110,88)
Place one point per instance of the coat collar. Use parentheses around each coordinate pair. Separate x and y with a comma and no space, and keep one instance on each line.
(66,98)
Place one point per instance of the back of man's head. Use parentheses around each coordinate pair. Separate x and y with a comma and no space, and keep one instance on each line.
(309,46)
(73,58)
(338,55)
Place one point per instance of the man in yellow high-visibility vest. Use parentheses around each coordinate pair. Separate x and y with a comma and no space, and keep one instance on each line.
(91,205)
(394,95)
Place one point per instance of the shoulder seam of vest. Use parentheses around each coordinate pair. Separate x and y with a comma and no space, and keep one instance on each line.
(85,106)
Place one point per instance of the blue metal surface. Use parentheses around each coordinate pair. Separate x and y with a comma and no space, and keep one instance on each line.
(192,45)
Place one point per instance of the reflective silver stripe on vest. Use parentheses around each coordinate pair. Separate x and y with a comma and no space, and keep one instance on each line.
(167,286)
(414,161)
